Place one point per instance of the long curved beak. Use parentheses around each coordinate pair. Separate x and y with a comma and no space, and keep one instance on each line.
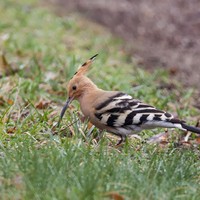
(69,100)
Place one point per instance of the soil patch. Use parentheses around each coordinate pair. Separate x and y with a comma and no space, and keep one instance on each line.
(159,33)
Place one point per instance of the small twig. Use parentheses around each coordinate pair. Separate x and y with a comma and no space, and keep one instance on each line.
(54,126)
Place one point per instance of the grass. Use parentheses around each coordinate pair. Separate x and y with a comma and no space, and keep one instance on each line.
(37,162)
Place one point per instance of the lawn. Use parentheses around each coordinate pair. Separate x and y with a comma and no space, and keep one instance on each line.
(40,51)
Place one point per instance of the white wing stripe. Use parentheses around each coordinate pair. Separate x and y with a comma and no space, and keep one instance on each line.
(150,117)
(136,118)
(124,97)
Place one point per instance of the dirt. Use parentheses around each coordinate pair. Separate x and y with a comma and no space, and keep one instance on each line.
(158,33)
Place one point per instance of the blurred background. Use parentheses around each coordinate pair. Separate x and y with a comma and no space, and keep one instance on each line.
(158,33)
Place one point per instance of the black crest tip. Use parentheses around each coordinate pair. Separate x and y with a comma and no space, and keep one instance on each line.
(93,57)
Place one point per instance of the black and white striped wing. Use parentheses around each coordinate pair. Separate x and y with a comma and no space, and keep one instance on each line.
(122,110)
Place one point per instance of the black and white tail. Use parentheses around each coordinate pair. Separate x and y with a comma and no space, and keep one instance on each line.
(191,128)
(183,126)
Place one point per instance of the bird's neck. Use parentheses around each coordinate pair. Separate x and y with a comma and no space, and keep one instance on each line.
(88,98)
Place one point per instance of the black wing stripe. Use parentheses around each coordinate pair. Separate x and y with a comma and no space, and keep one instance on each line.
(157,118)
(129,118)
(174,120)
(98,116)
(143,119)
(144,106)
(108,101)
(133,103)
(112,119)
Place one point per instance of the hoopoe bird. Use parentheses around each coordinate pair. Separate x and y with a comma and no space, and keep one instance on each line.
(117,112)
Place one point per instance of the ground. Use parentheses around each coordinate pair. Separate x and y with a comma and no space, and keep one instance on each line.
(158,33)
(40,52)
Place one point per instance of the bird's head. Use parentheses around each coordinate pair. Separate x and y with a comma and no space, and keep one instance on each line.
(78,85)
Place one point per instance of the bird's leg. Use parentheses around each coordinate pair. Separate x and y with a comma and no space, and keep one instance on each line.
(123,138)
(99,136)
(188,134)
(186,138)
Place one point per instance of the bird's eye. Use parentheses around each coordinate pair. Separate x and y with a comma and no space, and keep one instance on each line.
(74,87)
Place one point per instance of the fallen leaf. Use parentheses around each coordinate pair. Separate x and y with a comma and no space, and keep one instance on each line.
(114,196)
(185,144)
(10,102)
(3,101)
(11,130)
(198,140)
(42,104)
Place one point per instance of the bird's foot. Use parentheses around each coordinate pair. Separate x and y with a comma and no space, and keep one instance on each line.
(123,138)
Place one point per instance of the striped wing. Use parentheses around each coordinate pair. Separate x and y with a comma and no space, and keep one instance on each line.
(122,110)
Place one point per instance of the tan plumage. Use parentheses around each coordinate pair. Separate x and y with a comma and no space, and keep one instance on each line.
(116,112)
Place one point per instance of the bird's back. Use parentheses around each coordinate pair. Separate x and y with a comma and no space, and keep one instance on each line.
(120,111)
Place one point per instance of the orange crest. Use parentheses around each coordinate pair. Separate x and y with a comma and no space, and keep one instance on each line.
(85,66)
